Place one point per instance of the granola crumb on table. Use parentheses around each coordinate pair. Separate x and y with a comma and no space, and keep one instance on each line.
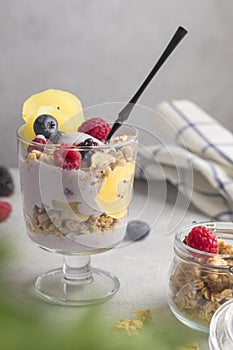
(144,315)
(191,346)
(133,327)
(128,327)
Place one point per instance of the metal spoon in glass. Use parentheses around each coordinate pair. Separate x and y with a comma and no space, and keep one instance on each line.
(124,113)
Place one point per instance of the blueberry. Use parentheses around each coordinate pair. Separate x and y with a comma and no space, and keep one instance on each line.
(137,230)
(45,125)
(6,182)
(87,143)
(68,192)
(86,155)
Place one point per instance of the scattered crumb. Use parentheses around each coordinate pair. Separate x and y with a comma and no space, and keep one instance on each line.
(191,346)
(128,327)
(144,315)
(133,327)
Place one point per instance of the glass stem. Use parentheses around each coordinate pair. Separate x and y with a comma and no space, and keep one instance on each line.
(77,269)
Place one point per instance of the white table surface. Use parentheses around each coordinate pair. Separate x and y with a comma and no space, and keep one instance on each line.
(142,267)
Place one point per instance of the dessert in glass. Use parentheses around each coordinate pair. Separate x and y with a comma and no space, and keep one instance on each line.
(76,191)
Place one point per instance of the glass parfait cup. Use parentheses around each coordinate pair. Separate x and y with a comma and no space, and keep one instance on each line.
(77,212)
(199,282)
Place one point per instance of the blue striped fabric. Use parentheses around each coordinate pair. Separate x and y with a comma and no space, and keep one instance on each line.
(197,160)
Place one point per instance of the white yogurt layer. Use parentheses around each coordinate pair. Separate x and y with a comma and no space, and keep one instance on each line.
(48,185)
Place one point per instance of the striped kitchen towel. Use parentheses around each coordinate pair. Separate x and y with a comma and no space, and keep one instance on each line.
(194,153)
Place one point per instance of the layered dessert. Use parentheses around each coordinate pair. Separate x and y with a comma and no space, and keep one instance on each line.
(76,188)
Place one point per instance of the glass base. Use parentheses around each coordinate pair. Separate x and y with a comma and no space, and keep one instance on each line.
(54,287)
(188,322)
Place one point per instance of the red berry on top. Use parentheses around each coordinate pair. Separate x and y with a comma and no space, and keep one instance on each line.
(5,210)
(67,157)
(41,140)
(96,127)
(202,239)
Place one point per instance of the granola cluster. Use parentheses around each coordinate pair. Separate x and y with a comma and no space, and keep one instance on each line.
(46,157)
(133,327)
(59,223)
(102,164)
(198,291)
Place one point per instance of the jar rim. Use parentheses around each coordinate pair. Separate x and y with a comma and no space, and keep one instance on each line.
(221,229)
(132,139)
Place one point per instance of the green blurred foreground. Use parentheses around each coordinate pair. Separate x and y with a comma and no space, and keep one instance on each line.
(27,328)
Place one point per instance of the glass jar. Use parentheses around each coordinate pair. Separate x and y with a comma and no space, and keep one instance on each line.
(221,328)
(200,282)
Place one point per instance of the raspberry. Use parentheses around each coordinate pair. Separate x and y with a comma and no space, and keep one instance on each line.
(202,239)
(96,127)
(41,140)
(5,210)
(67,157)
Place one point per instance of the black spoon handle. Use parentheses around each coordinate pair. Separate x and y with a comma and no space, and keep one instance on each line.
(124,113)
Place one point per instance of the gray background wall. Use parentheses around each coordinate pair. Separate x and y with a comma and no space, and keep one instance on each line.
(101,50)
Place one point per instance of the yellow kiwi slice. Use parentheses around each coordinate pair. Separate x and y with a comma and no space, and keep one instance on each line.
(63,106)
(115,194)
